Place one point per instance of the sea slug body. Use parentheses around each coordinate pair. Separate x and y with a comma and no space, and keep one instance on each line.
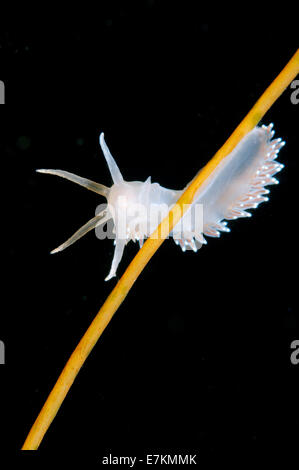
(236,185)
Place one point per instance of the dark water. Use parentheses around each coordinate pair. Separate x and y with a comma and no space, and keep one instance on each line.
(197,359)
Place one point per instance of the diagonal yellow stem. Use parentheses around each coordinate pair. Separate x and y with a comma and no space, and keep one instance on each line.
(123,286)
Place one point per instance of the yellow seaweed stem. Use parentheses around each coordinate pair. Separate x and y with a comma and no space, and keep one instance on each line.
(125,283)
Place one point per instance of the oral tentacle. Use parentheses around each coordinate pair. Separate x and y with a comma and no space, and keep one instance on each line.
(114,170)
(86,183)
(92,223)
(118,253)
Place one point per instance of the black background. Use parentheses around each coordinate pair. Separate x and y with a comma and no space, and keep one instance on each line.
(197,358)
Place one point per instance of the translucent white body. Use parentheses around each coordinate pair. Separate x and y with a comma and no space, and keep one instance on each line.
(237,184)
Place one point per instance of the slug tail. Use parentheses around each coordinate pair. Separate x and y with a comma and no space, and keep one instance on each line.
(257,192)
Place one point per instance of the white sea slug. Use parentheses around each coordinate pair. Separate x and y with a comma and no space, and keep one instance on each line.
(237,184)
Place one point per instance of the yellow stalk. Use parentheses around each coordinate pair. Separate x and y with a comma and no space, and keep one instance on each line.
(124,285)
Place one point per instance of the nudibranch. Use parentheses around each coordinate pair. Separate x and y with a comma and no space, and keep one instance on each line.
(236,185)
